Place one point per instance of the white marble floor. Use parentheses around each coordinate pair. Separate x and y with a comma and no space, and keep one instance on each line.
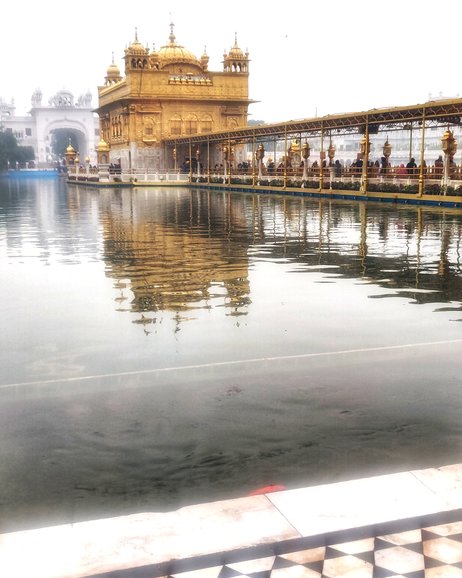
(402,525)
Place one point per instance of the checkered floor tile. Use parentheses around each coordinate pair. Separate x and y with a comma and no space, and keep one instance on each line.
(422,552)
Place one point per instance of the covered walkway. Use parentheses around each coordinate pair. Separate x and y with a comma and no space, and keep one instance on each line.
(282,154)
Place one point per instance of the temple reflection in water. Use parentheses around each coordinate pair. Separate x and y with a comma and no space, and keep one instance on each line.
(166,346)
(178,252)
(187,250)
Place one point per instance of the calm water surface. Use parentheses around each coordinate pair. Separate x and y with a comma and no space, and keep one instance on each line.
(163,347)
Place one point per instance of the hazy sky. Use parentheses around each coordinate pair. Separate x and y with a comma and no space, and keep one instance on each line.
(307,57)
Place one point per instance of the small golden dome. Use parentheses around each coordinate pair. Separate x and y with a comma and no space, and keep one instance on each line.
(102,146)
(113,70)
(235,52)
(70,149)
(136,47)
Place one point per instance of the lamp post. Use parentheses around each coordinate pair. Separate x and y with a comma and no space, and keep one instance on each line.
(225,158)
(305,155)
(331,154)
(230,160)
(449,146)
(386,153)
(259,156)
(174,158)
(365,148)
(198,163)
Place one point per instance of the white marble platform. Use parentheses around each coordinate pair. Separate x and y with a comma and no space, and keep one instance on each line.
(267,535)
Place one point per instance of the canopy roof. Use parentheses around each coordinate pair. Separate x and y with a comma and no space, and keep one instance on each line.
(433,113)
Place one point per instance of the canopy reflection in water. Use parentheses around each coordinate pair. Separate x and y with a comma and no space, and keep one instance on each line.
(165,347)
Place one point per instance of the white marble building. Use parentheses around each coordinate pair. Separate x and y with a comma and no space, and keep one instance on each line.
(45,121)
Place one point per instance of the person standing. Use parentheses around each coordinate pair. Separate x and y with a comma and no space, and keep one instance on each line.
(411,167)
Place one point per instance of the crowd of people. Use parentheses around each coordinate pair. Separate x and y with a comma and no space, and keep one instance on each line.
(376,168)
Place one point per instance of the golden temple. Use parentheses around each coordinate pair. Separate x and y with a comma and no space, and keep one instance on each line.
(166,94)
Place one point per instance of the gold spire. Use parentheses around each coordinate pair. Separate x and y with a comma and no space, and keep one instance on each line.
(172,36)
(205,59)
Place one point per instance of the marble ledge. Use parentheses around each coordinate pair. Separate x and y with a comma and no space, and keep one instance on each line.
(101,546)
(375,500)
(95,547)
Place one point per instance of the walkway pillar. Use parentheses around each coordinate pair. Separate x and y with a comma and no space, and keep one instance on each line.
(322,156)
(365,148)
(422,152)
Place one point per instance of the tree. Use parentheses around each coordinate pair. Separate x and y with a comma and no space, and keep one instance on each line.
(11,153)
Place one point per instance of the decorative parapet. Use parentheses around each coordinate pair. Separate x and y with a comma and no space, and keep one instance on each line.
(189,79)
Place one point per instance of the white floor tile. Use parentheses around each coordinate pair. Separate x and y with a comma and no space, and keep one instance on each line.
(356,503)
(445,481)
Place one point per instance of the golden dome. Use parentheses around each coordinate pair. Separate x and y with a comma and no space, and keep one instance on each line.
(113,70)
(235,52)
(70,149)
(174,53)
(102,146)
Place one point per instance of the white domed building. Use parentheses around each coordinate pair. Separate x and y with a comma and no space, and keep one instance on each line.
(61,117)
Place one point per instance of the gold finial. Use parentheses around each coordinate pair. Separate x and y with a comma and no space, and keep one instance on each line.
(235,39)
(205,59)
(136,34)
(172,36)
(113,58)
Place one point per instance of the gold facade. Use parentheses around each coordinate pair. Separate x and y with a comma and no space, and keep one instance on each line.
(166,94)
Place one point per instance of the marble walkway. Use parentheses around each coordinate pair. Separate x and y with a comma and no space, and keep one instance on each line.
(402,525)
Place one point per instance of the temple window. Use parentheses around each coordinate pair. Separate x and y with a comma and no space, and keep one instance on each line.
(175,125)
(206,125)
(190,126)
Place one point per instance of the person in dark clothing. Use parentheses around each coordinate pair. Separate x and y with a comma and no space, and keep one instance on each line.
(411,166)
